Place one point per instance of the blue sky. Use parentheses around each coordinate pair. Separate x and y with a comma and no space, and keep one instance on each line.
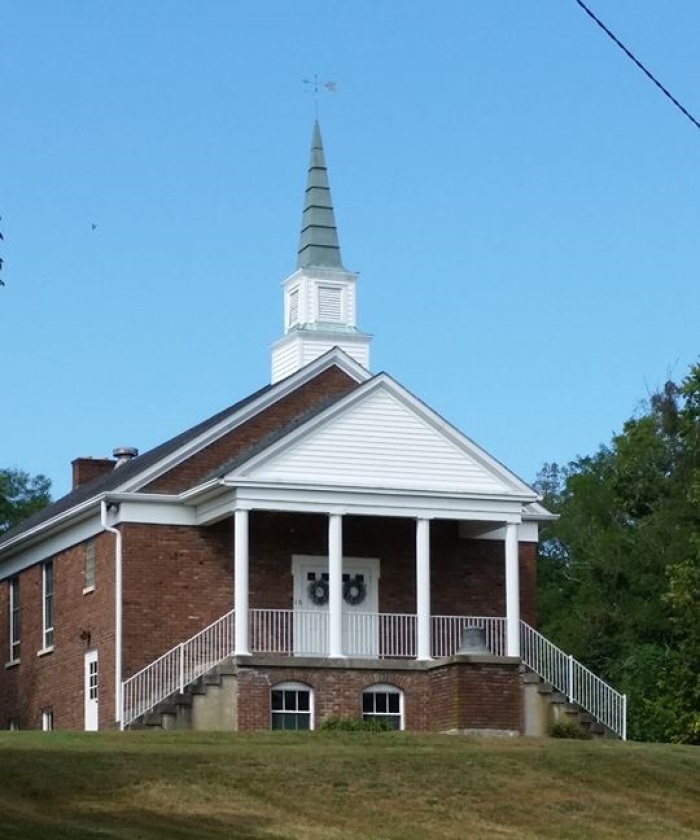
(521,204)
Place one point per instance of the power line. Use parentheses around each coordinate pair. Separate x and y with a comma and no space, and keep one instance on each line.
(639,64)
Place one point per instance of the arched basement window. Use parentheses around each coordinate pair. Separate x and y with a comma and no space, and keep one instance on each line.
(383,702)
(291,706)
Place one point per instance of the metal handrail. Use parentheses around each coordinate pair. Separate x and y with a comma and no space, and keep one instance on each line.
(177,668)
(390,635)
(579,684)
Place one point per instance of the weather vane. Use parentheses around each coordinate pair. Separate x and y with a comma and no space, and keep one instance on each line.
(313,86)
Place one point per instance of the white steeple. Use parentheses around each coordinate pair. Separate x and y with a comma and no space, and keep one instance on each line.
(319,297)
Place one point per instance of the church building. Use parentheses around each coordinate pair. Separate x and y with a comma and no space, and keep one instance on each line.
(326,547)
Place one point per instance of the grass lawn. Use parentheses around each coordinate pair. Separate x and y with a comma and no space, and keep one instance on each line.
(341,786)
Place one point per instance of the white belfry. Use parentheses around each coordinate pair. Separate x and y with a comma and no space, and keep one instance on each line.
(320,296)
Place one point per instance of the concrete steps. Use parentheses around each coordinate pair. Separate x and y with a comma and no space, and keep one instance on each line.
(546,708)
(206,703)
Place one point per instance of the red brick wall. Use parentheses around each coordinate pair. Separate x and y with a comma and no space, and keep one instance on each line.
(459,695)
(476,696)
(331,383)
(337,693)
(528,583)
(447,704)
(88,469)
(56,679)
(176,581)
(467,576)
(273,539)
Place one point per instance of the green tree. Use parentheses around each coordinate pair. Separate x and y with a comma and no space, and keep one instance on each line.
(620,569)
(21,495)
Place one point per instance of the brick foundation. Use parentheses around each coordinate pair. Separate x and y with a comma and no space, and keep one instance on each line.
(477,693)
(467,693)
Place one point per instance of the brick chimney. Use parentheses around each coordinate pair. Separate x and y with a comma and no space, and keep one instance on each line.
(88,469)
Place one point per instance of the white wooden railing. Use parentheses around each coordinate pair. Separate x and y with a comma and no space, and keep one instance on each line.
(370,635)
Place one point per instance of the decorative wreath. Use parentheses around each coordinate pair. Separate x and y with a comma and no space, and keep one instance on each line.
(354,590)
(318,592)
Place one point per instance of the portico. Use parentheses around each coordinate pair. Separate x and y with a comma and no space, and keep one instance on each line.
(417,629)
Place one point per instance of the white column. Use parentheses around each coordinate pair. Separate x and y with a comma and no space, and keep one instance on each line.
(241,581)
(423,589)
(512,591)
(335,585)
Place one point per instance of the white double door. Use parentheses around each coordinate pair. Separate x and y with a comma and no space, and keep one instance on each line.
(360,603)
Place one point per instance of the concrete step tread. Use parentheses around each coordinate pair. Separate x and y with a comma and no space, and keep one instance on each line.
(557,697)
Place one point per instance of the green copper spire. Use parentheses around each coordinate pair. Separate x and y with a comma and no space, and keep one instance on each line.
(318,244)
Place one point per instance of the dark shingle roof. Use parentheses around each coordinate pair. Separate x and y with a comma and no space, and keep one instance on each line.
(271,437)
(128,470)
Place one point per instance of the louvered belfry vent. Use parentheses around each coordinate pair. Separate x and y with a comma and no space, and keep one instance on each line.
(329,303)
(293,308)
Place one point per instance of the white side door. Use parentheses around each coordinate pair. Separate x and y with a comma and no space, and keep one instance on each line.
(92,687)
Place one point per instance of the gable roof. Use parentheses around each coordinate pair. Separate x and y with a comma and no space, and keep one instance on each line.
(379,436)
(135,473)
(129,470)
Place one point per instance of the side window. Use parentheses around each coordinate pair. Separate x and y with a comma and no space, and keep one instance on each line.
(383,702)
(14,619)
(47,607)
(89,573)
(291,706)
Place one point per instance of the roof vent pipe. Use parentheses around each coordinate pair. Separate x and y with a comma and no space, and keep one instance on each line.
(124,454)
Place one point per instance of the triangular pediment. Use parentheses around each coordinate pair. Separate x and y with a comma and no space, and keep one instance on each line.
(380,436)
